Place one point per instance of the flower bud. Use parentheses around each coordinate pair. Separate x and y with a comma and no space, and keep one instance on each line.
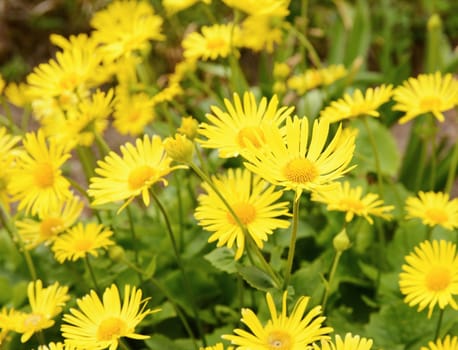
(341,241)
(189,127)
(179,148)
(116,253)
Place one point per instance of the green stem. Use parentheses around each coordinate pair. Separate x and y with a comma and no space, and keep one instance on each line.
(180,213)
(439,324)
(452,169)
(332,271)
(101,144)
(313,55)
(92,274)
(134,237)
(432,177)
(378,167)
(17,240)
(263,261)
(187,284)
(87,161)
(429,232)
(292,244)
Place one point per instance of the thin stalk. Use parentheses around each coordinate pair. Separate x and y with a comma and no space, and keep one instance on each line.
(123,345)
(180,264)
(439,324)
(87,161)
(40,337)
(134,238)
(92,274)
(313,55)
(432,175)
(378,167)
(263,261)
(180,213)
(429,232)
(452,169)
(332,271)
(101,144)
(292,244)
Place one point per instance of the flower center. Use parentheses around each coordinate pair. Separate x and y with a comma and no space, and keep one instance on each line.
(300,171)
(33,320)
(44,175)
(352,205)
(250,134)
(134,116)
(245,212)
(111,328)
(438,278)
(49,227)
(431,103)
(437,216)
(279,340)
(215,44)
(69,82)
(83,245)
(140,177)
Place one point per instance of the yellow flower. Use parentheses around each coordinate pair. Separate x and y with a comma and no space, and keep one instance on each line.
(350,342)
(434,93)
(167,94)
(293,161)
(80,241)
(48,225)
(45,304)
(254,203)
(36,180)
(261,33)
(189,127)
(350,200)
(296,331)
(430,276)
(217,346)
(213,42)
(132,113)
(433,209)
(357,104)
(179,148)
(125,26)
(52,346)
(174,6)
(448,343)
(243,123)
(8,152)
(278,8)
(313,78)
(99,324)
(16,94)
(140,167)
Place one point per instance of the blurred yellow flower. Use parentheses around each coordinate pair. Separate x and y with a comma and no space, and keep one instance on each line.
(125,26)
(296,331)
(217,346)
(278,8)
(433,209)
(241,124)
(252,200)
(313,78)
(291,160)
(189,127)
(80,241)
(350,342)
(100,323)
(357,104)
(16,94)
(36,179)
(447,343)
(179,148)
(132,174)
(430,276)
(52,346)
(174,6)
(434,93)
(261,33)
(352,202)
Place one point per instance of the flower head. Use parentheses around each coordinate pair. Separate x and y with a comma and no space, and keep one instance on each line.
(350,200)
(433,209)
(36,180)
(292,160)
(99,324)
(278,8)
(45,304)
(350,342)
(179,148)
(357,104)
(448,343)
(434,93)
(218,346)
(174,6)
(132,174)
(80,241)
(125,26)
(313,78)
(252,200)
(188,127)
(242,123)
(213,42)
(296,331)
(52,346)
(430,276)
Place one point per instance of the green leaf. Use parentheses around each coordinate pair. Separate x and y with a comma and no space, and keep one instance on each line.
(257,278)
(222,259)
(151,268)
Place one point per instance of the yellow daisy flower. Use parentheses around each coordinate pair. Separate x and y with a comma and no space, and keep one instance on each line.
(434,93)
(36,180)
(218,346)
(213,42)
(7,157)
(188,127)
(293,161)
(277,8)
(296,331)
(350,342)
(448,343)
(99,324)
(45,304)
(433,209)
(132,113)
(357,104)
(253,202)
(313,78)
(52,346)
(430,276)
(48,225)
(119,34)
(244,122)
(16,94)
(80,241)
(261,33)
(132,174)
(174,6)
(350,200)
